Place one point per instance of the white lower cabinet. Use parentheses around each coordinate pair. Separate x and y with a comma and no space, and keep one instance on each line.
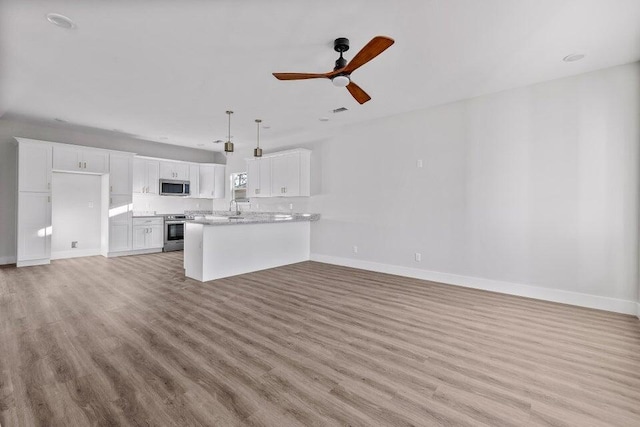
(34,228)
(148,233)
(120,223)
(119,237)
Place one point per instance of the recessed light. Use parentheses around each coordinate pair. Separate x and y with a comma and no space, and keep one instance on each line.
(60,120)
(324,119)
(217,141)
(200,145)
(340,110)
(61,21)
(573,57)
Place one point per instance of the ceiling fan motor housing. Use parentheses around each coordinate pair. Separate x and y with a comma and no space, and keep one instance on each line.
(341,44)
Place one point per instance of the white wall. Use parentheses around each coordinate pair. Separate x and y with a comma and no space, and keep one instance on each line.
(76,214)
(536,186)
(17,126)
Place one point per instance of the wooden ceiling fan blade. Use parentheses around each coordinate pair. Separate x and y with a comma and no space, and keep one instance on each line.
(298,76)
(356,91)
(375,47)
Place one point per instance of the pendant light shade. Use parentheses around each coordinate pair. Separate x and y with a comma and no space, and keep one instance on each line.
(228,146)
(257,152)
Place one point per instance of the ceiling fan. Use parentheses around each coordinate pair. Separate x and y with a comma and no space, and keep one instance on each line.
(341,74)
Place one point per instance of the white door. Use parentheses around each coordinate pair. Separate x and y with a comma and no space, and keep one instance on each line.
(67,159)
(120,223)
(34,226)
(120,169)
(94,161)
(207,181)
(194,177)
(34,167)
(156,236)
(166,170)
(218,182)
(265,177)
(182,171)
(119,237)
(153,177)
(139,175)
(253,178)
(139,236)
(285,175)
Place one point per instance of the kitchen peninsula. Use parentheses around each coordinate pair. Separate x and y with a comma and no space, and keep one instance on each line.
(224,246)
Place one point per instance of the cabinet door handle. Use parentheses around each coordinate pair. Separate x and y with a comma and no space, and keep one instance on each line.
(111,188)
(79,165)
(48,186)
(85,165)
(48,199)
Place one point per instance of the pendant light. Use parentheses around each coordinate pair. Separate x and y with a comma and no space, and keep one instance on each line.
(228,146)
(257,152)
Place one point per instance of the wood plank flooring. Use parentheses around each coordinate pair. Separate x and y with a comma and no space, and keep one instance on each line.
(131,341)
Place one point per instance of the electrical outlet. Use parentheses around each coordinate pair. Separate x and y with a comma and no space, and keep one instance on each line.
(197,205)
(90,205)
(418,256)
(419,163)
(355,249)
(291,206)
(74,245)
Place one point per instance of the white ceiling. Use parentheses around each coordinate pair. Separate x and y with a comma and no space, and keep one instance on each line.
(166,70)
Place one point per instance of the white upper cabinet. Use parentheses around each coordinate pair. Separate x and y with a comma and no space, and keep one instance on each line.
(120,171)
(218,191)
(146,176)
(68,158)
(259,177)
(283,174)
(174,170)
(211,181)
(194,179)
(34,166)
(95,161)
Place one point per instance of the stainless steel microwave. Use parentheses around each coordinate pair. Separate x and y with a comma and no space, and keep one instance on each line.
(170,187)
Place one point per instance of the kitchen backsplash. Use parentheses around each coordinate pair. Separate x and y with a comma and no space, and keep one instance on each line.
(168,204)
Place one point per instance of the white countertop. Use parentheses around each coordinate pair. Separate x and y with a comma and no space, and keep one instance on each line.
(254,218)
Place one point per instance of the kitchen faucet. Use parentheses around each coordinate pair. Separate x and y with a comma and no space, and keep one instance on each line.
(236,202)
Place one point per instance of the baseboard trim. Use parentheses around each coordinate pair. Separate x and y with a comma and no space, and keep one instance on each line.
(136,252)
(75,253)
(33,262)
(554,295)
(7,260)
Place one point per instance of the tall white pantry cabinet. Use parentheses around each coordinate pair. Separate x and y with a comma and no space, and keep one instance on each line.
(34,203)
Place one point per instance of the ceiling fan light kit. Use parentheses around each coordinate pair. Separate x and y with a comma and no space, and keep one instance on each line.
(341,74)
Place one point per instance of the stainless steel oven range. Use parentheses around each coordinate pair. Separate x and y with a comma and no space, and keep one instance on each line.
(174,232)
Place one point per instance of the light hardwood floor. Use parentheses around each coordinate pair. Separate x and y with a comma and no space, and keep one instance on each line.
(130,341)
